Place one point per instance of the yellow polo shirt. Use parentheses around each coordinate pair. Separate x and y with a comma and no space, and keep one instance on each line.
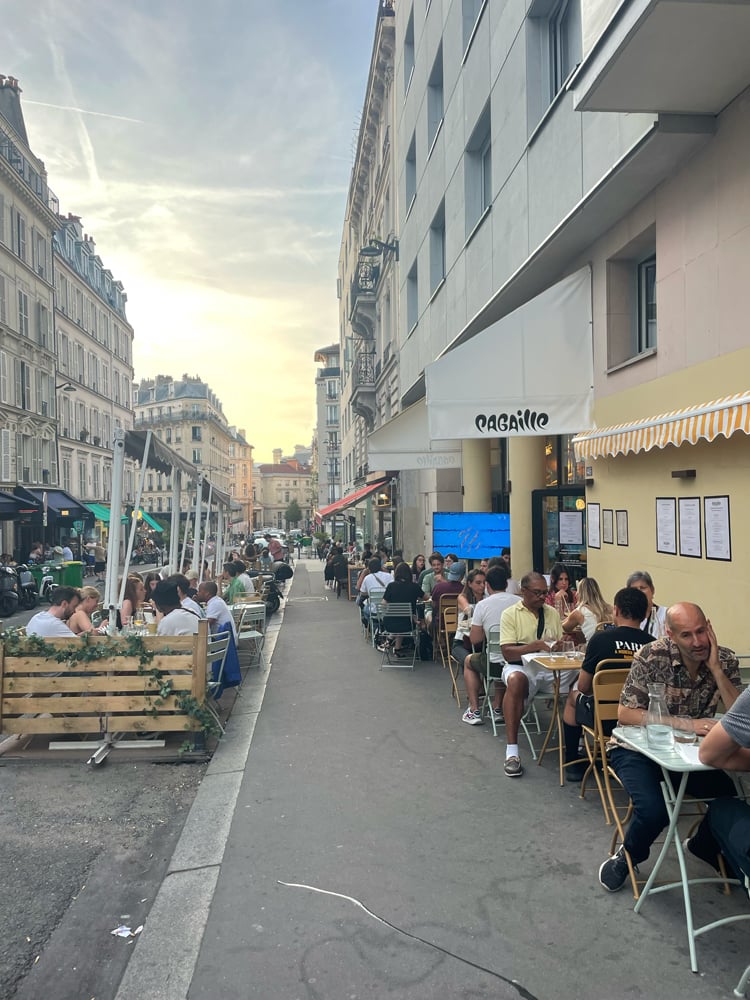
(519,625)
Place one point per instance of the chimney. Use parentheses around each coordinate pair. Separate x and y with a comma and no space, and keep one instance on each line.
(10,106)
(277,456)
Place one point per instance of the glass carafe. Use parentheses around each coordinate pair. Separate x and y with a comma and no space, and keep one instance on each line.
(659,732)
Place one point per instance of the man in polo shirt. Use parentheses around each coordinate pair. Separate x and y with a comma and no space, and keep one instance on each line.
(697,674)
(521,629)
(726,826)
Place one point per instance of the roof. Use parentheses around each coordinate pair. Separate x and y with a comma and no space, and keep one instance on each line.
(285,469)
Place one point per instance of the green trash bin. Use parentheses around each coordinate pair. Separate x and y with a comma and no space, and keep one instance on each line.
(72,574)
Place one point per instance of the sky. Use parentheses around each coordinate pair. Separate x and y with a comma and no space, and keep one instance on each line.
(207,148)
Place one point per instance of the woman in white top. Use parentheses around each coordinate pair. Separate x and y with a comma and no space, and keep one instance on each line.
(469,597)
(590,611)
(655,621)
(80,620)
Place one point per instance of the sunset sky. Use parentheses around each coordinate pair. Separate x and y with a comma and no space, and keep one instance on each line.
(207,149)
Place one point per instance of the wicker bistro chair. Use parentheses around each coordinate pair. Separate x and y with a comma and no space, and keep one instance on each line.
(448,628)
(493,675)
(606,693)
(398,621)
(441,640)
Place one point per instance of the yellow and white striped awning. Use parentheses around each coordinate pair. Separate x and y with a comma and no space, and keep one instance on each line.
(695,423)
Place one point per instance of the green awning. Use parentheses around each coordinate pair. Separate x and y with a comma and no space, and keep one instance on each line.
(150,521)
(100,512)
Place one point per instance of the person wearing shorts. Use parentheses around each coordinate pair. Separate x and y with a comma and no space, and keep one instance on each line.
(521,631)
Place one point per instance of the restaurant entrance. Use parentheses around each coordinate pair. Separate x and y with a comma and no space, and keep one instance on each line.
(558,526)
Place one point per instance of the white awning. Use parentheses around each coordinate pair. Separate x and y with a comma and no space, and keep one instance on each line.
(705,422)
(404,443)
(530,373)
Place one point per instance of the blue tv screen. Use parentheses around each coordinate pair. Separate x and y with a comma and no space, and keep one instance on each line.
(470,535)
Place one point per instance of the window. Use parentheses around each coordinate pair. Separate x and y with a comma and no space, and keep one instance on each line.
(437,249)
(4,378)
(197,456)
(195,434)
(23,314)
(472,11)
(168,435)
(435,100)
(286,496)
(646,304)
(95,481)
(2,299)
(409,53)
(66,474)
(82,480)
(332,413)
(412,299)
(22,374)
(478,172)
(410,175)
(20,236)
(631,301)
(565,42)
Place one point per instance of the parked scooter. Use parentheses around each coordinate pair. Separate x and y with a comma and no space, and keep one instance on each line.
(8,591)
(49,586)
(271,593)
(28,592)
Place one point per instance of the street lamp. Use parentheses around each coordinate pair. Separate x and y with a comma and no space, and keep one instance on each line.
(66,387)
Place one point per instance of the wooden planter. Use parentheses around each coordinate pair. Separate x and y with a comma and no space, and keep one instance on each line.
(112,695)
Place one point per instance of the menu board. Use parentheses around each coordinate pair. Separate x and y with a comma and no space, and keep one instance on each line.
(716,528)
(689,518)
(666,525)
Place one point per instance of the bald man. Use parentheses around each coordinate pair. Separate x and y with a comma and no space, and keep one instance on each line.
(697,673)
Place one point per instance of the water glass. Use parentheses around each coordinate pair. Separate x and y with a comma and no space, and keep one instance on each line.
(684,731)
(568,648)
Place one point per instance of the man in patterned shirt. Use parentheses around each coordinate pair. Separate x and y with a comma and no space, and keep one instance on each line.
(698,673)
(726,826)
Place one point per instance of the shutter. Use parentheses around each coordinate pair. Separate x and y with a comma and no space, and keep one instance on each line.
(19,458)
(18,382)
(5,454)
(27,387)
(2,296)
(2,225)
(3,377)
(38,380)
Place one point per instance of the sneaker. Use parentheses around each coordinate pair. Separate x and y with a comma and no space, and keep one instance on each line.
(689,847)
(471,717)
(513,767)
(613,874)
(497,716)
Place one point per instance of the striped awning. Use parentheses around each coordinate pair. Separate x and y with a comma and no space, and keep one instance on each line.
(705,422)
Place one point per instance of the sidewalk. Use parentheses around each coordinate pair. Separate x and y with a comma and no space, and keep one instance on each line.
(363,786)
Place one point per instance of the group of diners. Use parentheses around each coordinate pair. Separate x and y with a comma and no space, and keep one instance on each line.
(175,603)
(675,646)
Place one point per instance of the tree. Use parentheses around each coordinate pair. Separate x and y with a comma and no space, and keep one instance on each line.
(293,514)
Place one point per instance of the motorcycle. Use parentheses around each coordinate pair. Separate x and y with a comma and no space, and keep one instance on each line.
(271,593)
(49,586)
(28,592)
(8,590)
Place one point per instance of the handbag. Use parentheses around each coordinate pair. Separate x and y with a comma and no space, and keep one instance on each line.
(585,710)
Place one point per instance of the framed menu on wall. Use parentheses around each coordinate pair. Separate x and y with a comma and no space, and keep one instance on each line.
(666,525)
(689,520)
(716,528)
(608,526)
(622,527)
(593,511)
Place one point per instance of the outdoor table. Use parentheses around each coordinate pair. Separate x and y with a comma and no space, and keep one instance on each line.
(683,760)
(556,663)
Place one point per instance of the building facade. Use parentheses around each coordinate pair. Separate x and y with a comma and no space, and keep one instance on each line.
(538,141)
(188,417)
(94,366)
(278,484)
(241,480)
(28,218)
(327,454)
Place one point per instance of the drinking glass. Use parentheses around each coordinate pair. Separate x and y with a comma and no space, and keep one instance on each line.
(568,648)
(684,731)
(549,639)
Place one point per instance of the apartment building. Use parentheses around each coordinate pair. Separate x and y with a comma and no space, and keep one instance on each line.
(327,452)
(241,480)
(572,229)
(95,366)
(278,484)
(187,416)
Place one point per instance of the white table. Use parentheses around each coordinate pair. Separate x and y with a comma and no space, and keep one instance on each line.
(681,759)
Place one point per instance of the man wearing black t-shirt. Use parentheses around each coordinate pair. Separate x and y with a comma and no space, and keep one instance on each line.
(619,643)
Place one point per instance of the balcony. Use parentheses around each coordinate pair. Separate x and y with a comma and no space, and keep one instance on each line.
(686,57)
(363,388)
(362,298)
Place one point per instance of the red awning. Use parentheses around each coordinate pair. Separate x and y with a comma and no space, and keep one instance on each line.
(350,499)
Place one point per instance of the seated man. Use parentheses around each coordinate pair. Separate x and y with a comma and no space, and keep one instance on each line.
(434,574)
(376,579)
(487,613)
(217,612)
(175,619)
(521,629)
(697,673)
(726,826)
(183,592)
(619,643)
(235,590)
(453,584)
(51,624)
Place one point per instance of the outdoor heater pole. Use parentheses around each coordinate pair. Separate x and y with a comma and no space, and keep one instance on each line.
(197,527)
(206,533)
(174,531)
(115,527)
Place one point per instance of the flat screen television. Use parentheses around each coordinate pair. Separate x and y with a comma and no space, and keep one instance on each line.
(470,535)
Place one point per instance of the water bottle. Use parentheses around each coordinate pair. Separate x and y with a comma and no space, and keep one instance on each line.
(659,732)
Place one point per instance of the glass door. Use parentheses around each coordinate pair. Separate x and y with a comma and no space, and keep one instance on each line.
(559,530)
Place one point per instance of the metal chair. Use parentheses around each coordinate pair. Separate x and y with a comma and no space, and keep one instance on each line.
(374,600)
(252,626)
(216,653)
(397,621)
(449,626)
(493,675)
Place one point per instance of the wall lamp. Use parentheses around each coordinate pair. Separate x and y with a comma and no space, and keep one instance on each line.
(683,474)
(66,387)
(376,247)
